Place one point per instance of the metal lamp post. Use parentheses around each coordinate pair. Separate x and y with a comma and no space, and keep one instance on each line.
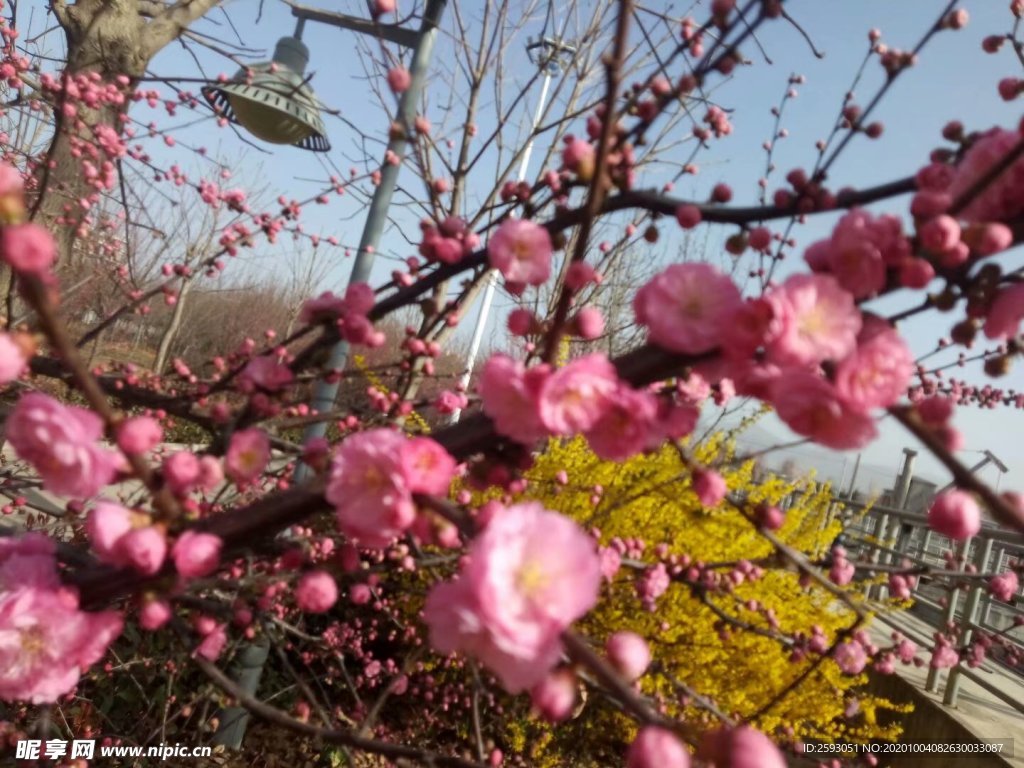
(550,59)
(274,102)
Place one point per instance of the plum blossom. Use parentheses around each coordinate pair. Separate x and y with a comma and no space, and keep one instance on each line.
(528,576)
(575,397)
(709,486)
(45,642)
(742,747)
(12,359)
(1005,314)
(426,466)
(686,306)
(60,441)
(822,321)
(1004,586)
(521,251)
(266,373)
(509,393)
(625,429)
(878,371)
(247,455)
(372,480)
(1003,198)
(810,406)
(851,657)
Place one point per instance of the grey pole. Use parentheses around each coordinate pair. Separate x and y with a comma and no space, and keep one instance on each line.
(551,66)
(253,656)
(326,392)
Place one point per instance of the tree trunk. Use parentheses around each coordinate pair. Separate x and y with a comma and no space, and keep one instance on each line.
(171,331)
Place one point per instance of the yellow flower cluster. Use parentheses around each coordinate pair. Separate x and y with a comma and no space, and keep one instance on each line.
(703,650)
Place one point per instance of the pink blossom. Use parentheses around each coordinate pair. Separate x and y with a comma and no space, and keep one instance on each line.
(628,653)
(709,486)
(688,216)
(861,247)
(588,323)
(28,248)
(181,472)
(211,473)
(266,373)
(521,251)
(810,406)
(686,306)
(1004,586)
(509,393)
(154,614)
(60,441)
(555,696)
(27,561)
(139,434)
(625,428)
(212,644)
(955,514)
(822,321)
(529,575)
(316,592)
(742,747)
(850,657)
(579,157)
(1004,197)
(575,397)
(754,324)
(106,524)
(656,747)
(611,562)
(877,373)
(247,456)
(1005,314)
(426,466)
(45,640)
(399,79)
(12,359)
(143,548)
(944,656)
(196,554)
(367,487)
(940,234)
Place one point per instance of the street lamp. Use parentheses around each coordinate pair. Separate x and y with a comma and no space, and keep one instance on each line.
(272,99)
(277,105)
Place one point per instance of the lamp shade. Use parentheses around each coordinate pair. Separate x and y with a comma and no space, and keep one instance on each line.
(272,101)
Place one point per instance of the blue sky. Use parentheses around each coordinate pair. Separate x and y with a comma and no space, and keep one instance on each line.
(954,79)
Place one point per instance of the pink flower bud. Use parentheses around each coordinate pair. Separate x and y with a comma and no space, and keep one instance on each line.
(28,248)
(656,747)
(688,216)
(955,514)
(316,592)
(629,654)
(555,696)
(709,486)
(589,323)
(196,554)
(399,79)
(139,434)
(154,614)
(144,549)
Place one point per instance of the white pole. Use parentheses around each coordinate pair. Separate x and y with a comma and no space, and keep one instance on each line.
(491,278)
